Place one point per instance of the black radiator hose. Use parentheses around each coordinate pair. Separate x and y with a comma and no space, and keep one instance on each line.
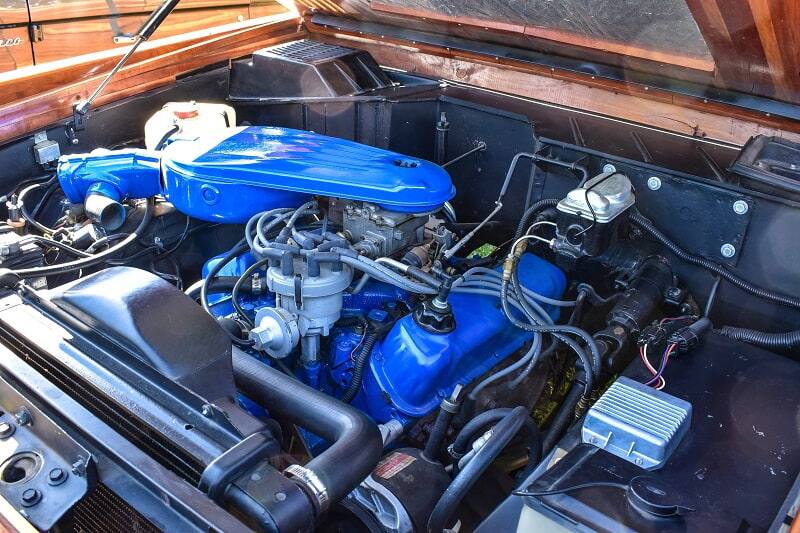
(504,431)
(648,227)
(478,425)
(781,341)
(356,442)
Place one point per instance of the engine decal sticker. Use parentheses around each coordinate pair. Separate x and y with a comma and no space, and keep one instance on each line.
(392,465)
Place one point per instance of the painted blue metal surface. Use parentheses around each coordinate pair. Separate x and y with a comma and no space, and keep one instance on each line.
(234,174)
(412,369)
(230,175)
(119,174)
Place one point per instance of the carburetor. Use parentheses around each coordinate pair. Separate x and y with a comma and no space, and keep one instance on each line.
(378,232)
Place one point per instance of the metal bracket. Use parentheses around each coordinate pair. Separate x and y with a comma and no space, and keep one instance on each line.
(124,38)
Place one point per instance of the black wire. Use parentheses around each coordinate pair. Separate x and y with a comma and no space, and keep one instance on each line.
(173,130)
(28,181)
(43,201)
(55,244)
(589,204)
(712,296)
(648,227)
(93,260)
(237,287)
(24,210)
(596,484)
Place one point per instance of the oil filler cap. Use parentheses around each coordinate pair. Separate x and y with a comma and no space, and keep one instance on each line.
(654,497)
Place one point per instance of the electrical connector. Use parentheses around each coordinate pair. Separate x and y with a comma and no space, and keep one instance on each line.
(689,336)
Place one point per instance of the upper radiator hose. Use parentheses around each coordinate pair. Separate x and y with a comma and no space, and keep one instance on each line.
(356,441)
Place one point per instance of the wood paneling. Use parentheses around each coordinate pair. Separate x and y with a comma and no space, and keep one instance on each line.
(60,10)
(72,38)
(26,82)
(265,8)
(755,44)
(551,34)
(15,48)
(43,109)
(13,12)
(45,10)
(658,110)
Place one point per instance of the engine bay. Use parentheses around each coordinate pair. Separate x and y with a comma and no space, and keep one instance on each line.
(390,304)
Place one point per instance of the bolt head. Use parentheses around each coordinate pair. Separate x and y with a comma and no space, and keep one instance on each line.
(207,411)
(727,250)
(608,167)
(653,183)
(57,476)
(740,207)
(31,497)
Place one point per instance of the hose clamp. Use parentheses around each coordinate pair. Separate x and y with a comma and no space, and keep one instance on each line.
(453,453)
(312,483)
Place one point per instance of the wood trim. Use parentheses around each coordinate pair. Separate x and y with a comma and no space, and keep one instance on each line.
(754,43)
(17,50)
(551,34)
(42,110)
(26,82)
(71,38)
(651,108)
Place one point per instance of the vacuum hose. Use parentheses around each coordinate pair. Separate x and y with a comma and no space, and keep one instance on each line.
(356,441)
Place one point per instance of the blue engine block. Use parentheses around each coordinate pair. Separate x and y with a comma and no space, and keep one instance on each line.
(411,370)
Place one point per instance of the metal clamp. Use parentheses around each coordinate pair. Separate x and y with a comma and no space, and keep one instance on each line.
(312,483)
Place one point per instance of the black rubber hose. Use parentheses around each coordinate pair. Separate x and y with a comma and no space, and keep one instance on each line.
(164,138)
(360,364)
(564,416)
(648,227)
(780,341)
(95,259)
(238,249)
(504,431)
(530,212)
(433,446)
(478,425)
(356,443)
(24,210)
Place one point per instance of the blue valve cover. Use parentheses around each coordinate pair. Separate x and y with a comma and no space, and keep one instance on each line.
(412,369)
(232,175)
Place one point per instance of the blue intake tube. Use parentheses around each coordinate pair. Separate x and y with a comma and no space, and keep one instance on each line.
(102,179)
(230,175)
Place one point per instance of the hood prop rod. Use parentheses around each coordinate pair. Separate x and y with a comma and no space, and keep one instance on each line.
(79,110)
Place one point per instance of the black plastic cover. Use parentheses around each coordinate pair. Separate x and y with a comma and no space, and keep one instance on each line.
(733,469)
(159,324)
(770,163)
(306,69)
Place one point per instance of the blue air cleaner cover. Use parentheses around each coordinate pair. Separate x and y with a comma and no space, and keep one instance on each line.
(231,175)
